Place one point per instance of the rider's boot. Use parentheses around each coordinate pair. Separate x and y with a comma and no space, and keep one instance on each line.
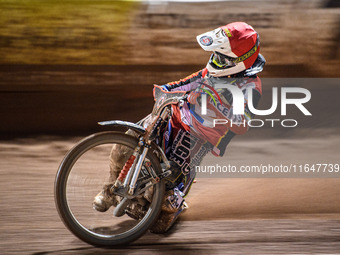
(118,157)
(105,199)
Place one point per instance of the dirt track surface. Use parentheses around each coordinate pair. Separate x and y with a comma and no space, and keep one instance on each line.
(248,216)
(211,237)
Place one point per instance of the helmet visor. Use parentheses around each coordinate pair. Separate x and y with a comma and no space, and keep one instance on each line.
(222,61)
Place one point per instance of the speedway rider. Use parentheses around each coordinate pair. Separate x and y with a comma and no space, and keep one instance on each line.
(235,60)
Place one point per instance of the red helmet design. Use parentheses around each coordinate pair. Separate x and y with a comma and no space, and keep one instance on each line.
(235,48)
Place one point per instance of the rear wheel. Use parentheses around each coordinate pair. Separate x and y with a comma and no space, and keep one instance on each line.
(82,174)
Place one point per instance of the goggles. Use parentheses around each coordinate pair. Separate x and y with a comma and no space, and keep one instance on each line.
(222,61)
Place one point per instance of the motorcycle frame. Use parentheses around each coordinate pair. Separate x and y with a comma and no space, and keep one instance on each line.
(160,113)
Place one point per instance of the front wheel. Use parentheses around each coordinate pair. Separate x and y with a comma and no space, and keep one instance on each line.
(82,174)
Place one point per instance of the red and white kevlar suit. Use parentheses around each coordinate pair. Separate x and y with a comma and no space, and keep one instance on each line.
(191,129)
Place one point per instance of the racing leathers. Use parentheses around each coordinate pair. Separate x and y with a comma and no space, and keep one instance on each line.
(215,127)
(192,133)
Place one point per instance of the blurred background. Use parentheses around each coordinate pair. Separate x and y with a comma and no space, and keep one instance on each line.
(64,65)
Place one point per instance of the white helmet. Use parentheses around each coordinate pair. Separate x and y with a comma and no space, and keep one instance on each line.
(235,48)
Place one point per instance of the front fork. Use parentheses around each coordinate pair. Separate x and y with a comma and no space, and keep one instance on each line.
(132,168)
(141,158)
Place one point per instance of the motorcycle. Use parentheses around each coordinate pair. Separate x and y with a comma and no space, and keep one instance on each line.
(140,186)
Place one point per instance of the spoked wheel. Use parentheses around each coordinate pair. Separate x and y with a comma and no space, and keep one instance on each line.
(83,173)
